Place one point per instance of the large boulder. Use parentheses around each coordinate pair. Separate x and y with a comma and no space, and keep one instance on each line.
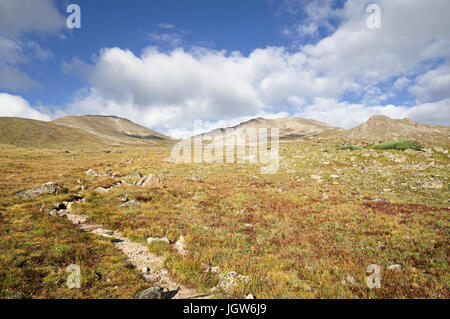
(132,176)
(47,188)
(150,181)
(150,293)
(229,282)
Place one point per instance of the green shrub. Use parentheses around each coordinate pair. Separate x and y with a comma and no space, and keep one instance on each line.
(349,148)
(399,145)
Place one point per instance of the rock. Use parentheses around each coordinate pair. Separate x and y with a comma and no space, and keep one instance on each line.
(180,245)
(69,206)
(438,149)
(231,280)
(163,239)
(150,180)
(215,269)
(250,296)
(316,178)
(59,206)
(150,293)
(334,176)
(349,280)
(77,219)
(47,188)
(195,178)
(101,190)
(431,183)
(131,203)
(132,176)
(395,267)
(93,173)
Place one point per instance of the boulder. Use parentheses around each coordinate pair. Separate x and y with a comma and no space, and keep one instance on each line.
(47,188)
(231,280)
(150,181)
(150,293)
(132,176)
(131,203)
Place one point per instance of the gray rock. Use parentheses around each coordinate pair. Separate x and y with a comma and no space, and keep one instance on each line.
(131,203)
(132,176)
(93,173)
(150,180)
(231,280)
(150,293)
(395,267)
(47,188)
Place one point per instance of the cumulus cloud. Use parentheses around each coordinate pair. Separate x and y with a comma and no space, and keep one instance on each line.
(19,19)
(14,80)
(167,89)
(22,16)
(16,106)
(348,115)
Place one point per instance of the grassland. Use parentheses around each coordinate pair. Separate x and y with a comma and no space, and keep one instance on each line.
(325,215)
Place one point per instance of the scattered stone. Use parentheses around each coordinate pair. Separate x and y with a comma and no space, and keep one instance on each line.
(133,176)
(431,183)
(349,280)
(93,173)
(316,178)
(163,239)
(150,180)
(334,176)
(180,246)
(77,219)
(101,190)
(131,203)
(47,188)
(231,280)
(395,267)
(215,269)
(150,293)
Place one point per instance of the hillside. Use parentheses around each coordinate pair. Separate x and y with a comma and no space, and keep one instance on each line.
(111,129)
(289,127)
(382,128)
(32,133)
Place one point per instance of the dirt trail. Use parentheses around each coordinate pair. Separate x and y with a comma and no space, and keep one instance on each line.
(150,265)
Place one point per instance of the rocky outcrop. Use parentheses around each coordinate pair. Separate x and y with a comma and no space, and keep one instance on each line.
(47,188)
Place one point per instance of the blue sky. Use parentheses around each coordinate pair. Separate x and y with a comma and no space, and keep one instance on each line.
(165,64)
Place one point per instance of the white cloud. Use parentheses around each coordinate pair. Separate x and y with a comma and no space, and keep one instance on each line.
(166,90)
(19,19)
(433,85)
(348,115)
(14,80)
(23,16)
(16,106)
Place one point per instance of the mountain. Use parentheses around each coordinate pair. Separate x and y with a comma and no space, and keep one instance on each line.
(31,133)
(75,131)
(290,127)
(383,128)
(111,129)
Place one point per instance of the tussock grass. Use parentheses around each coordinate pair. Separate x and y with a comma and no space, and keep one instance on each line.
(400,145)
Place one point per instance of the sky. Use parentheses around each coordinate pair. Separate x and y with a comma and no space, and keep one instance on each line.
(165,64)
